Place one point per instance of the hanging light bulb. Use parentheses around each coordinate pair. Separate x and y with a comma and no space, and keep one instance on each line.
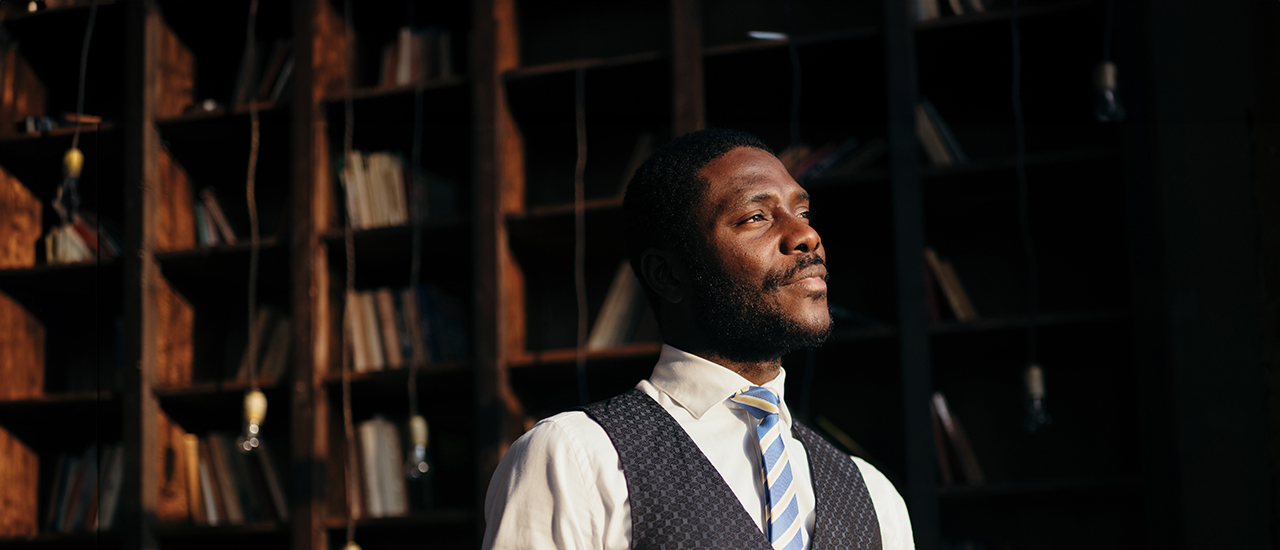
(351,546)
(1037,419)
(417,466)
(255,411)
(1106,105)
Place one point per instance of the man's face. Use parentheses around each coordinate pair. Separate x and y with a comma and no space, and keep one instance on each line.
(759,276)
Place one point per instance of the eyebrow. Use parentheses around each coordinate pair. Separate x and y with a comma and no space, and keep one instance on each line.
(762,197)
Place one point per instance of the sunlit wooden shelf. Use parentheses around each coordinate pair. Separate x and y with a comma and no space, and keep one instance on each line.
(563,356)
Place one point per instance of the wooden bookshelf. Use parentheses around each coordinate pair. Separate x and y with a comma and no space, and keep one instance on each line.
(146,344)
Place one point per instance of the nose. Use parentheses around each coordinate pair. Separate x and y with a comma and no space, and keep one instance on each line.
(799,236)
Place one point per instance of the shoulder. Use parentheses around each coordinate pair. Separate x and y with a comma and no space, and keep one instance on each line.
(566,436)
(891,511)
(570,440)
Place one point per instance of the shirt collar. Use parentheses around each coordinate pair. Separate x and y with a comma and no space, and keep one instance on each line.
(698,384)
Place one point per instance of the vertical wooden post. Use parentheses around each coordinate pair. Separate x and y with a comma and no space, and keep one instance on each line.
(921,491)
(139,406)
(308,432)
(688,99)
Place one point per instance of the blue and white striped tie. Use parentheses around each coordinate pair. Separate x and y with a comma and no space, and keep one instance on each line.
(782,520)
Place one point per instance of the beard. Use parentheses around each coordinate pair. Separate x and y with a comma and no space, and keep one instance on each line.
(744,324)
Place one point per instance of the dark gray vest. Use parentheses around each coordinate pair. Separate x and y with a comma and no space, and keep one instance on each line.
(679,500)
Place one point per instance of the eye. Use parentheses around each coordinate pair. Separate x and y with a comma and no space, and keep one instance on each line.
(756,218)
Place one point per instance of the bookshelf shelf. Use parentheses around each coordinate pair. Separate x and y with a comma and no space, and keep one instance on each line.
(637,350)
(258,528)
(1041,489)
(1032,160)
(732,48)
(398,377)
(59,399)
(1049,319)
(441,516)
(212,388)
(1002,15)
(77,419)
(221,113)
(571,66)
(92,539)
(61,132)
(18,12)
(383,92)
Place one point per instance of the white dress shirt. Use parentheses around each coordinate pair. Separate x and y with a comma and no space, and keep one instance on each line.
(561,484)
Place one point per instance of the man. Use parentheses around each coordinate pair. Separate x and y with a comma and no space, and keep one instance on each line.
(704,454)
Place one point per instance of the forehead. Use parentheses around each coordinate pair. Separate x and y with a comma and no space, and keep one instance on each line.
(744,174)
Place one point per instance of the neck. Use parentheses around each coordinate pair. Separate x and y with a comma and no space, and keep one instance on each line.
(758,372)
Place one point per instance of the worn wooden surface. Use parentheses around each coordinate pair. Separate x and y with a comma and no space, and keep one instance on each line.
(19,470)
(175,352)
(22,94)
(172,505)
(20,213)
(175,74)
(175,219)
(22,339)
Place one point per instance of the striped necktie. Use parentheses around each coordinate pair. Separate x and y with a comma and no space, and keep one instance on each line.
(782,522)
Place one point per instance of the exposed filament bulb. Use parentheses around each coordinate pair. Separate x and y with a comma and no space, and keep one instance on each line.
(255,411)
(416,464)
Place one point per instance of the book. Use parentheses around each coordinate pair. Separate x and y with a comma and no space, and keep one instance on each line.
(639,153)
(191,464)
(958,441)
(414,326)
(395,499)
(280,52)
(62,470)
(947,280)
(940,446)
(282,83)
(925,10)
(263,322)
(864,156)
(389,327)
(215,214)
(246,487)
(83,492)
(270,475)
(372,333)
(620,312)
(226,492)
(275,359)
(416,56)
(930,139)
(356,332)
(215,513)
(948,138)
(111,485)
(369,465)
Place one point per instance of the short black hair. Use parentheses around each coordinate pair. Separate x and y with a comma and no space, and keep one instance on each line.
(664,192)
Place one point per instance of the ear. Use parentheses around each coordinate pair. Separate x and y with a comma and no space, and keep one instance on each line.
(665,274)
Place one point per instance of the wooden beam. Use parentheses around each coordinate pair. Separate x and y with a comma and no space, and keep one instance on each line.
(688,96)
(921,491)
(136,515)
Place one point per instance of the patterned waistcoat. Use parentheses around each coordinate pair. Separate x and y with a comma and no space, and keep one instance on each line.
(679,500)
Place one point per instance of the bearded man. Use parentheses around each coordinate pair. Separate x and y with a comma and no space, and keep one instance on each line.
(704,454)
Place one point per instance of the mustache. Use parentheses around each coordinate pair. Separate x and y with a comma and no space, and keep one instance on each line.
(805,262)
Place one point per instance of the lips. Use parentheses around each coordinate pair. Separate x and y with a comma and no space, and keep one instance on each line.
(810,274)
